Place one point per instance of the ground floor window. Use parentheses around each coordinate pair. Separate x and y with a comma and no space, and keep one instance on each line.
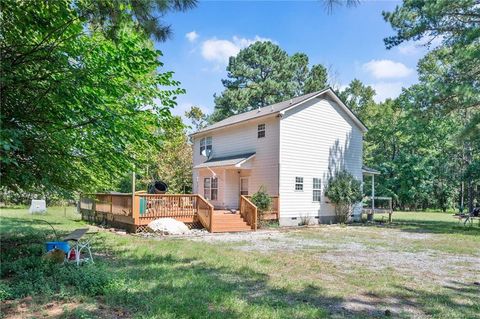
(210,188)
(317,189)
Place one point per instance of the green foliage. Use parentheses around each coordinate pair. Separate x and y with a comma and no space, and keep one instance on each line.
(148,14)
(448,92)
(171,163)
(344,191)
(263,74)
(78,108)
(28,274)
(359,98)
(262,200)
(198,118)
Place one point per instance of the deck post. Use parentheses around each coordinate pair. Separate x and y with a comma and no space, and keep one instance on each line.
(373,193)
(136,210)
(391,210)
(211,220)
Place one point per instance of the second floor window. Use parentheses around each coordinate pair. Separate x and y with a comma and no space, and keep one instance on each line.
(299,183)
(206,146)
(261,130)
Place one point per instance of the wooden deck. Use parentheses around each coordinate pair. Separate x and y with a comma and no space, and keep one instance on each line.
(134,212)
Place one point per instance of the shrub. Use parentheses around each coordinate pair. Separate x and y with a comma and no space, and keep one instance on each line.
(262,200)
(29,275)
(344,191)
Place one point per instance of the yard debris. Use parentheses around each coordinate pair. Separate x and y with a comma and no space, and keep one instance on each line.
(168,226)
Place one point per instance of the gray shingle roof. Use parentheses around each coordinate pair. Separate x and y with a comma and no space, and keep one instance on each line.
(266,110)
(225,160)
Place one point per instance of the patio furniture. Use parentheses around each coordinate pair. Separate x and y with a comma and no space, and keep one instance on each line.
(471,217)
(79,244)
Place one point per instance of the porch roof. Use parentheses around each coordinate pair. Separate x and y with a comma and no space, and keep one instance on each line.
(369,171)
(233,160)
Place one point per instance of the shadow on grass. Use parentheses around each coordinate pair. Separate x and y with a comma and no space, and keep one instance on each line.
(181,284)
(169,286)
(190,287)
(428,226)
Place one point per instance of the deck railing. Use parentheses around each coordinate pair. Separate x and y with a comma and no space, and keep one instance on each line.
(138,210)
(273,213)
(248,211)
(205,213)
(167,205)
(107,208)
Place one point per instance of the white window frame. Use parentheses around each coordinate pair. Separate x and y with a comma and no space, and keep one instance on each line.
(261,130)
(317,190)
(208,192)
(298,184)
(205,143)
(243,191)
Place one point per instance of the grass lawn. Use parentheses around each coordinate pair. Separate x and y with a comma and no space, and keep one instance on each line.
(424,265)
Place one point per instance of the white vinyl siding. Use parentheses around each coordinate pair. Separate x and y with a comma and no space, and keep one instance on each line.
(316,139)
(239,139)
(311,141)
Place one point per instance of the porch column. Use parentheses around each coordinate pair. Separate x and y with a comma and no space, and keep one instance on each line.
(373,192)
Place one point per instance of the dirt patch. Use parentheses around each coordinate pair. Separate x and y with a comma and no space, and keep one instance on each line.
(408,255)
(28,308)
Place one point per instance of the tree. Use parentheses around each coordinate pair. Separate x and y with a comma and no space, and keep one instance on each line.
(449,74)
(173,163)
(198,118)
(263,74)
(452,69)
(344,191)
(78,108)
(109,15)
(316,80)
(359,98)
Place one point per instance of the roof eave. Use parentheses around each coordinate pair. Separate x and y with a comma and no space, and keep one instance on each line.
(233,124)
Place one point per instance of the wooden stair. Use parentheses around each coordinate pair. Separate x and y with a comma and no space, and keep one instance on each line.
(225,222)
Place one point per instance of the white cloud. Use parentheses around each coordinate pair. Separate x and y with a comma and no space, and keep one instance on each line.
(383,69)
(421,46)
(409,49)
(220,50)
(192,36)
(386,90)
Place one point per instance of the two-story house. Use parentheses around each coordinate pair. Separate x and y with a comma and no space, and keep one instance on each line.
(291,148)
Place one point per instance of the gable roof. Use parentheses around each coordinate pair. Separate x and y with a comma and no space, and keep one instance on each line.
(280,108)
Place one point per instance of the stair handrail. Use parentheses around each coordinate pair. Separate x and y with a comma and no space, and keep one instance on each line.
(249,211)
(207,224)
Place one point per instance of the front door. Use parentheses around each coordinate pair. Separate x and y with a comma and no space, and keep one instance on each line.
(244,186)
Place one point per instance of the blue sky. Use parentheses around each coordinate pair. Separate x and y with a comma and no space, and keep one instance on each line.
(349,42)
